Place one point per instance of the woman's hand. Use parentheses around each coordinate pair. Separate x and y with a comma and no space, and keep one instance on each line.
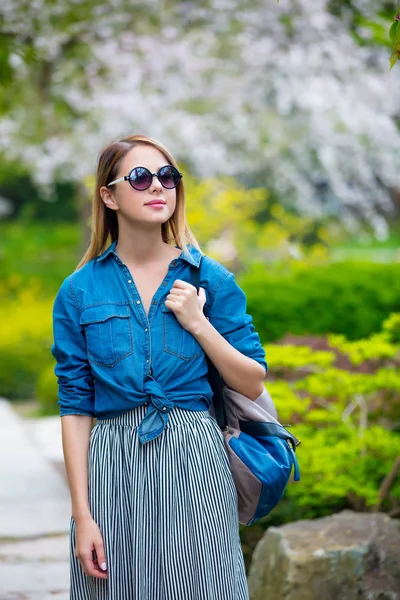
(89,539)
(187,306)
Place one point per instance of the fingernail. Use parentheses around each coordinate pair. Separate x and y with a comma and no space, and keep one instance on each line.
(103,566)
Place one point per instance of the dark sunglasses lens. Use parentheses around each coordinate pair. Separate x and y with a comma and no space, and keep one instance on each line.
(169,177)
(140,178)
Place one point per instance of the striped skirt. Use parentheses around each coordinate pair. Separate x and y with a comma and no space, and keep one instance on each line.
(167,511)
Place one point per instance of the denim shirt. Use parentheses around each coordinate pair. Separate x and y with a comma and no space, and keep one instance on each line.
(111,357)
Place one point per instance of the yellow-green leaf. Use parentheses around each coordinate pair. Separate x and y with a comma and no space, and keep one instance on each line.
(394,31)
(394,58)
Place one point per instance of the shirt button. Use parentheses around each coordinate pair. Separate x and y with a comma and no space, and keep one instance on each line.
(146,329)
(129,280)
(147,360)
(137,301)
(164,408)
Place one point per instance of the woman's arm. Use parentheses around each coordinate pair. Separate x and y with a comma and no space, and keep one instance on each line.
(75,440)
(241,373)
(76,401)
(228,336)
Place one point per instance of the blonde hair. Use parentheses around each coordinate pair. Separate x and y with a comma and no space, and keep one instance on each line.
(104,224)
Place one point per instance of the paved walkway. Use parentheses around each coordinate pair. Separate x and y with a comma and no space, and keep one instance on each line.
(34,509)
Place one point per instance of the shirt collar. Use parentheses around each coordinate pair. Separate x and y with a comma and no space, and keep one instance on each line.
(192,255)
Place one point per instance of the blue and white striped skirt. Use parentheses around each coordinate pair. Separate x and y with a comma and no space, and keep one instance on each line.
(167,511)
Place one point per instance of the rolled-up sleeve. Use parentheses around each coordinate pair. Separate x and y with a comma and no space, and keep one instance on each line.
(73,371)
(229,317)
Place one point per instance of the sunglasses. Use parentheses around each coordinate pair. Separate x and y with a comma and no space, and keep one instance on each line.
(141,178)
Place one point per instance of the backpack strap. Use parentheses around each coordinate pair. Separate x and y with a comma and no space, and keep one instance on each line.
(214,377)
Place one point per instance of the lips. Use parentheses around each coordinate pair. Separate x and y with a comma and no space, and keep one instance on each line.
(155,202)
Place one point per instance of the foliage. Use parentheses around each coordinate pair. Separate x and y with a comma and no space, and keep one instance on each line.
(235,224)
(47,391)
(341,469)
(375,347)
(287,356)
(349,298)
(348,423)
(391,327)
(291,407)
(25,325)
(36,257)
(344,393)
(395,38)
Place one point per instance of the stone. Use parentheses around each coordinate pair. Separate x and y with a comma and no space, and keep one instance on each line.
(347,556)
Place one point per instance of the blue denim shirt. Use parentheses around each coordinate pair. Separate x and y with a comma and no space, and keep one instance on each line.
(112,357)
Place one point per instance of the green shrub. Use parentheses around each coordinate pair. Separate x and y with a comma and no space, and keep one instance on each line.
(348,423)
(349,298)
(376,347)
(34,255)
(341,469)
(47,391)
(25,341)
(391,328)
(287,356)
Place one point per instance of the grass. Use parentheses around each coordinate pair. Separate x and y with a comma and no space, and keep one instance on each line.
(368,248)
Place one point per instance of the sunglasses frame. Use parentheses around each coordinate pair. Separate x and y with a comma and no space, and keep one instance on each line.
(128,178)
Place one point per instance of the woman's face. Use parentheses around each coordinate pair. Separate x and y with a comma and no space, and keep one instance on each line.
(133,204)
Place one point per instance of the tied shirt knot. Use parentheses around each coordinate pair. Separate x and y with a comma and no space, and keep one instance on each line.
(156,417)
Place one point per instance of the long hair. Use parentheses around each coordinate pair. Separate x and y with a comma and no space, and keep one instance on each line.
(104,225)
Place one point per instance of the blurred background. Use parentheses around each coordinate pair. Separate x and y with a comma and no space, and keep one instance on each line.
(285,119)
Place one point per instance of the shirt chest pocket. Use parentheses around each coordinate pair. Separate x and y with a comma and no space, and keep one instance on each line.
(108,330)
(176,340)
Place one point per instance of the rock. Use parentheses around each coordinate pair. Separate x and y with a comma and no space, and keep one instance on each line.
(347,556)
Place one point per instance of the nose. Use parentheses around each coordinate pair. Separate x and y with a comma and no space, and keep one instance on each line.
(155,183)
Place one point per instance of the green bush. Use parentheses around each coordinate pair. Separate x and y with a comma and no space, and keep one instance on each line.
(34,255)
(339,469)
(25,341)
(348,422)
(377,346)
(47,391)
(349,298)
(391,328)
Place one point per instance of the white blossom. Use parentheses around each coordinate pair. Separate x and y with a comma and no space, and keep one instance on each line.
(276,95)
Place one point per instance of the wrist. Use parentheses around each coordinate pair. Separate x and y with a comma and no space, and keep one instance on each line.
(82,516)
(199,325)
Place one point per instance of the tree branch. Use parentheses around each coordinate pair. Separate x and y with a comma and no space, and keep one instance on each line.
(387,483)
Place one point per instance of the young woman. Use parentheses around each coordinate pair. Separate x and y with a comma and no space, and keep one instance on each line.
(154,506)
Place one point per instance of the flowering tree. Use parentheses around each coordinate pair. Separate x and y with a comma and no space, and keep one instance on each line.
(282,96)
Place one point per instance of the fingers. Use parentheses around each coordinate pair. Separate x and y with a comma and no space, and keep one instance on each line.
(100,556)
(181,289)
(179,283)
(89,549)
(90,565)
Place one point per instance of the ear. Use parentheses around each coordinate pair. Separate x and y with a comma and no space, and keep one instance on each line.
(108,198)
